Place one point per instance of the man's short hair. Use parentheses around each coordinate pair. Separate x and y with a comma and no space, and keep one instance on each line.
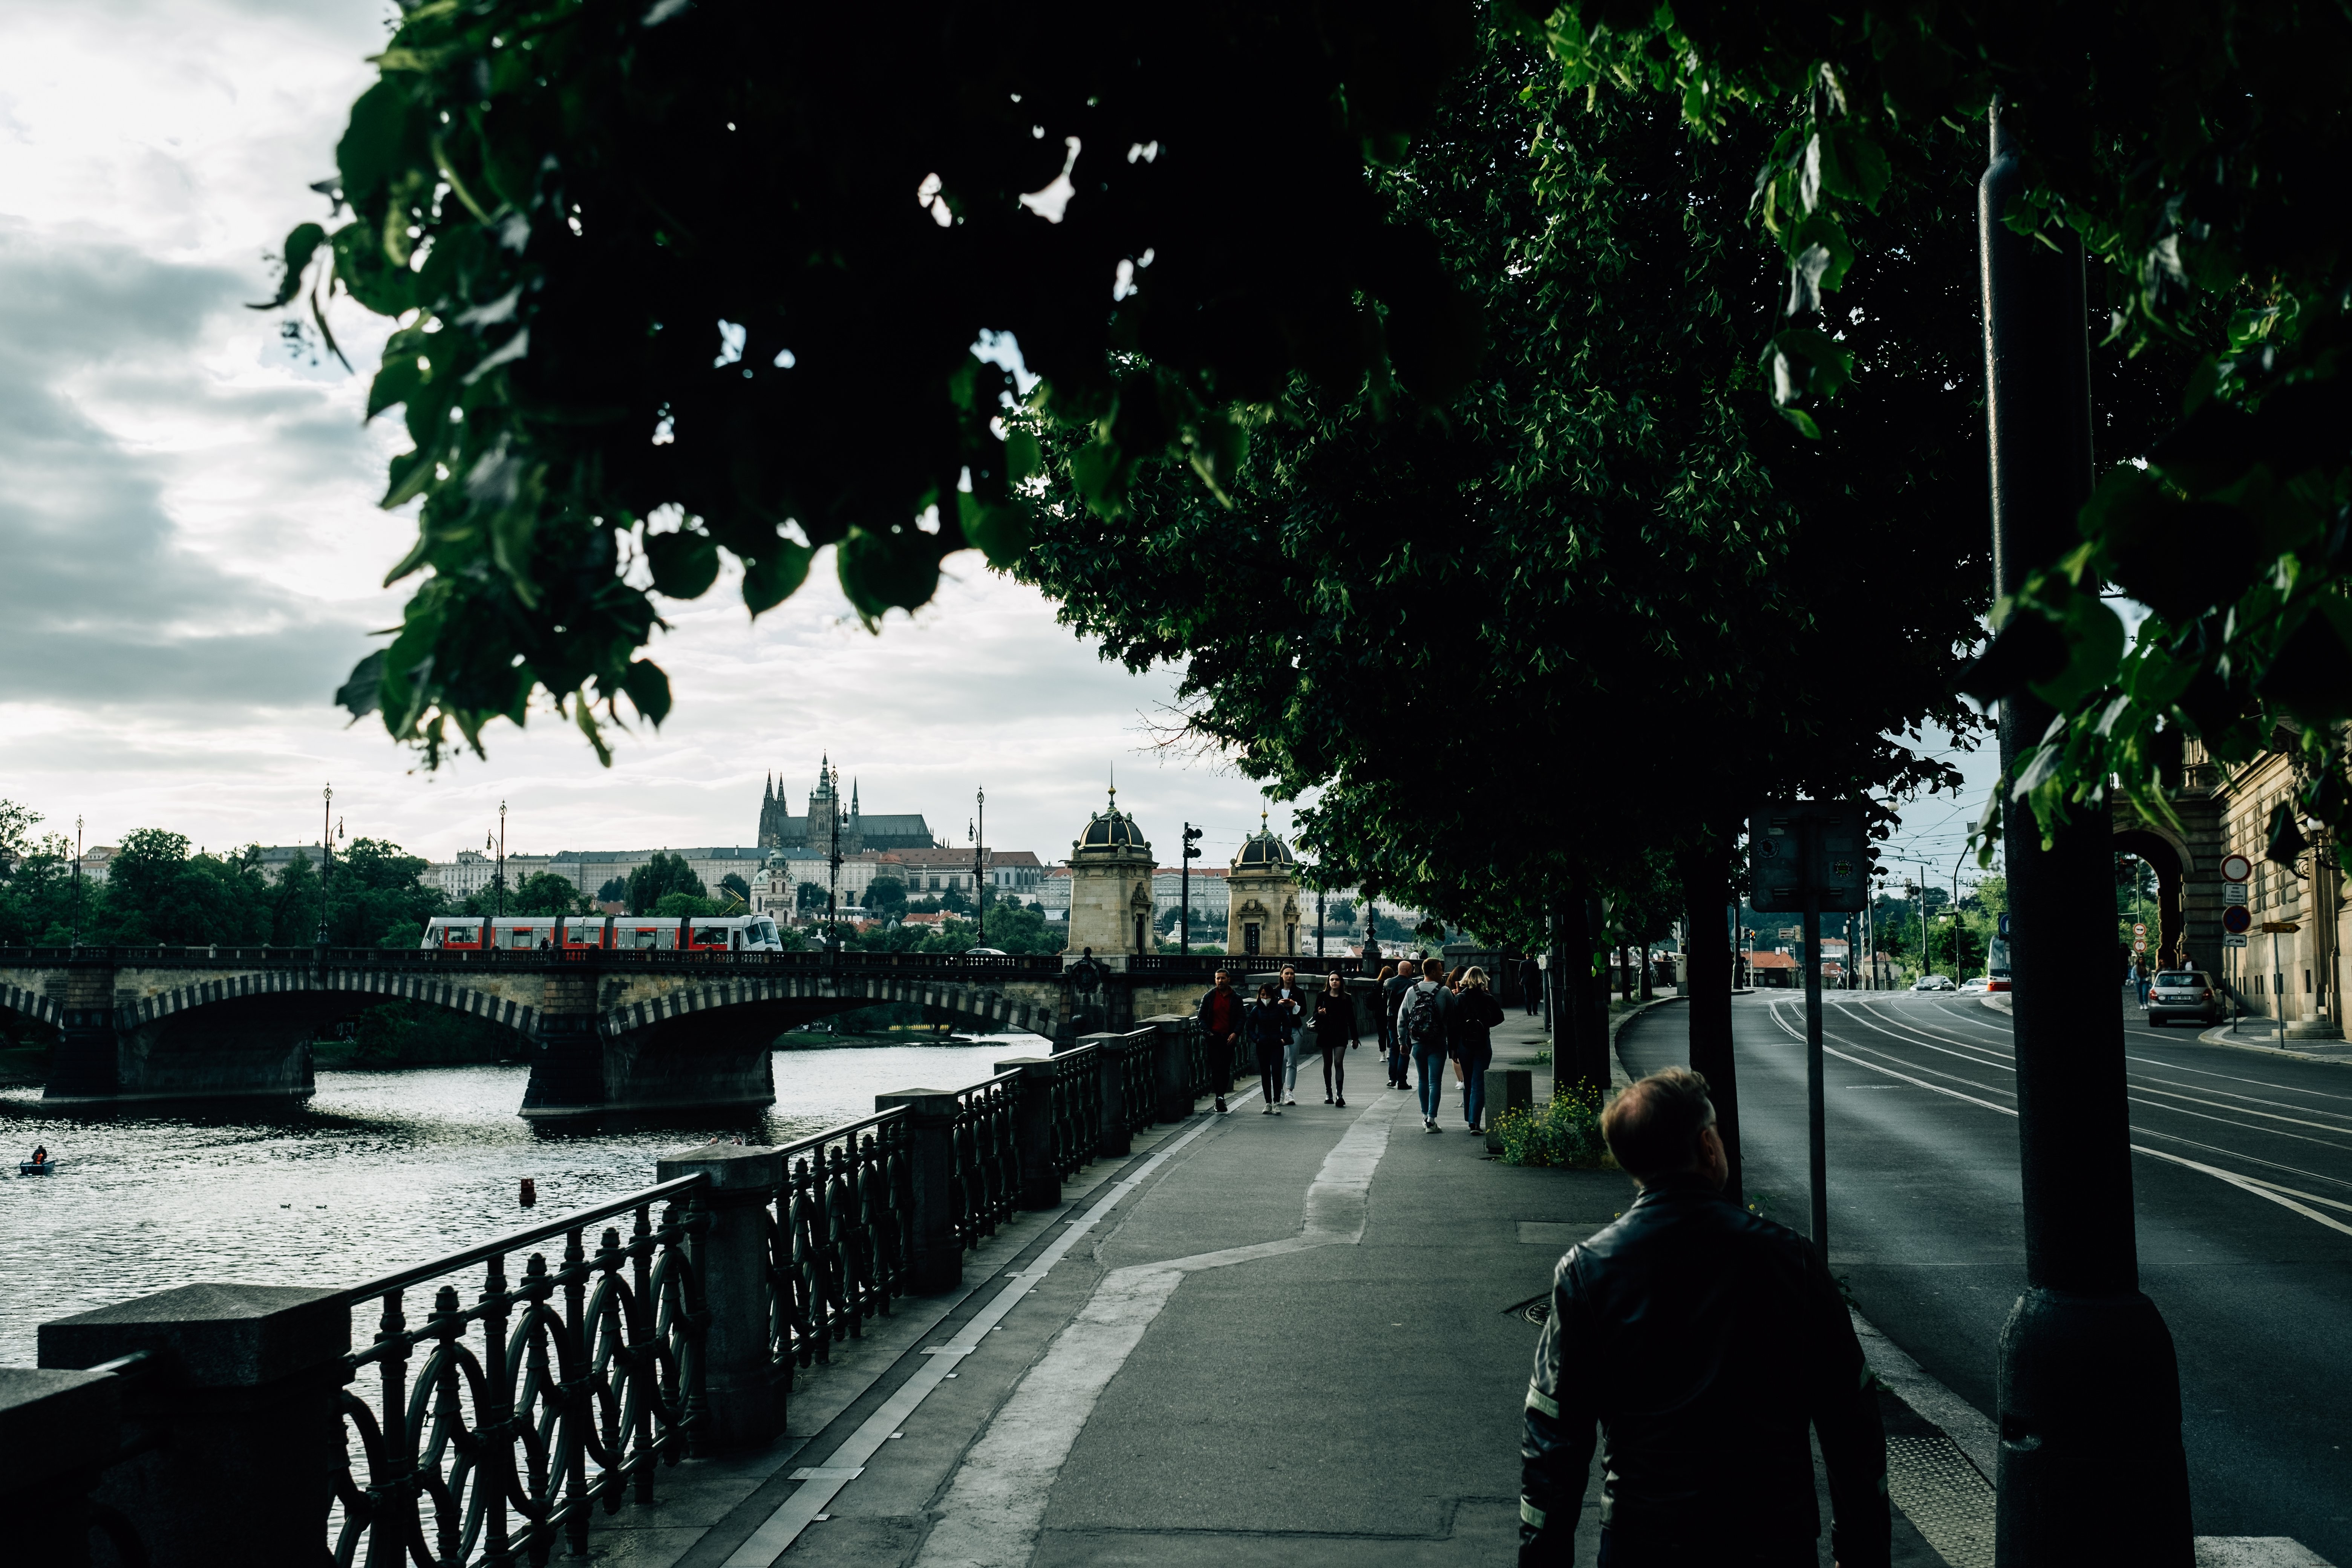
(1652,1127)
(1432,969)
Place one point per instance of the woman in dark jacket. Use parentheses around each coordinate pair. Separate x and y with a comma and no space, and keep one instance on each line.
(1262,1026)
(1476,1012)
(1334,1031)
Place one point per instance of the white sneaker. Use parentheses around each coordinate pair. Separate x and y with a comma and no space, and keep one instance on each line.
(1290,1102)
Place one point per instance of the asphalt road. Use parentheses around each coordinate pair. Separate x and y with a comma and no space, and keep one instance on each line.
(2243,1190)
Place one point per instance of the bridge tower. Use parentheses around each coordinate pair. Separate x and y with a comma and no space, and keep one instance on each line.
(1110,885)
(1262,899)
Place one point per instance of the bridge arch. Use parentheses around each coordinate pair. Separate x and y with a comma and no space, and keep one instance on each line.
(2168,858)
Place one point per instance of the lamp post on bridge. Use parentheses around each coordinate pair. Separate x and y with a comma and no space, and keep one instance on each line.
(76,892)
(1185,885)
(498,877)
(979,859)
(833,886)
(326,854)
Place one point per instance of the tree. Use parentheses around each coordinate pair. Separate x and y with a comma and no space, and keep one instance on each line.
(674,905)
(614,891)
(809,897)
(734,883)
(885,895)
(667,257)
(663,874)
(955,901)
(547,893)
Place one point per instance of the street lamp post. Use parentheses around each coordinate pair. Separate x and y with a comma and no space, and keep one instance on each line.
(832,885)
(326,856)
(1185,885)
(2088,1382)
(76,892)
(498,877)
(979,860)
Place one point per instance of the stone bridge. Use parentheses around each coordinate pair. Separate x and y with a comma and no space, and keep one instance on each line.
(603,1031)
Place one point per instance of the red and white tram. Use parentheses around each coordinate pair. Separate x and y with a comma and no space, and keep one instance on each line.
(578,933)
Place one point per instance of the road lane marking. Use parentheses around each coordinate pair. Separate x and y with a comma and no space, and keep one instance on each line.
(995,1505)
(808,1502)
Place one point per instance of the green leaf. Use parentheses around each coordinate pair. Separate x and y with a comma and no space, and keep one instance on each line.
(887,570)
(2095,647)
(411,472)
(1217,447)
(300,245)
(648,689)
(1001,529)
(1023,459)
(776,575)
(358,695)
(685,564)
(377,143)
(1101,478)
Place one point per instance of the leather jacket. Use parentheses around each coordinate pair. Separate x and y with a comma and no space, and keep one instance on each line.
(1703,1339)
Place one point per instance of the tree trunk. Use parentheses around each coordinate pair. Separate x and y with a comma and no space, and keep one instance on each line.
(1706,889)
(1647,994)
(1578,1060)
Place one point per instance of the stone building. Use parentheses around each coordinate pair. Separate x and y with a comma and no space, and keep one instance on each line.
(778,830)
(1111,885)
(2223,809)
(1262,895)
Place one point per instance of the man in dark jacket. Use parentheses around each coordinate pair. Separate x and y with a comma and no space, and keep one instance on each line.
(1220,1016)
(1392,993)
(1703,1339)
(1531,986)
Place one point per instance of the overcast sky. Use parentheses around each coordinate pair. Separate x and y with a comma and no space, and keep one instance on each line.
(193,556)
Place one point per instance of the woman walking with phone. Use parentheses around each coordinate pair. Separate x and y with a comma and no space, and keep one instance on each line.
(1334,1031)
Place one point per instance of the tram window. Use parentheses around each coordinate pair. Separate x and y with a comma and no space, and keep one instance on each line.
(647,938)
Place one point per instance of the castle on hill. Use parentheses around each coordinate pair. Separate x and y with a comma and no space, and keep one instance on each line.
(778,830)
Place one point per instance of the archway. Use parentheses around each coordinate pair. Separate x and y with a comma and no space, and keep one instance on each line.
(2168,942)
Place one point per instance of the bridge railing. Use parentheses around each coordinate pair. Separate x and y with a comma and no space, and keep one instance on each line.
(987,1171)
(543,1398)
(978,964)
(841,1231)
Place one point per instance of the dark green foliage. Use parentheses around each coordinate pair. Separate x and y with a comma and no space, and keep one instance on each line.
(885,895)
(545,893)
(697,279)
(614,892)
(412,1033)
(674,905)
(663,875)
(734,883)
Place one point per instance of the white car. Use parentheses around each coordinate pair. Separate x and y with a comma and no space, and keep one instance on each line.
(1975,986)
(1933,982)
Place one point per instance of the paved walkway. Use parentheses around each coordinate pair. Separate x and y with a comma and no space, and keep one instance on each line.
(1286,1337)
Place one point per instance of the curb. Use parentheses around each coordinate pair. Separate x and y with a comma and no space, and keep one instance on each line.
(1618,1079)
(1998,1001)
(2213,1037)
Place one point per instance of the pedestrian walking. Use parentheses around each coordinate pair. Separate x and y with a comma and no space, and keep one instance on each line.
(1393,990)
(1335,1032)
(1476,1013)
(1290,1007)
(1220,1018)
(1425,1020)
(1262,1026)
(1704,1340)
(1531,986)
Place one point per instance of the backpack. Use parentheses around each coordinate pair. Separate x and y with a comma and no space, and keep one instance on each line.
(1422,1025)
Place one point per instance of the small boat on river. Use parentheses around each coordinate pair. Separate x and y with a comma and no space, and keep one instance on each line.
(37,1167)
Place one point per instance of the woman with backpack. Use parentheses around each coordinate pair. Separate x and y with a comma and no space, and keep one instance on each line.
(1334,1031)
(1263,1027)
(1475,1014)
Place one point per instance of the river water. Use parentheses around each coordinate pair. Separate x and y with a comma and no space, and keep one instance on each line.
(383,1170)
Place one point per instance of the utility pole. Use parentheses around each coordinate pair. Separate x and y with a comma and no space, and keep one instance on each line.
(326,857)
(1184,885)
(2087,1383)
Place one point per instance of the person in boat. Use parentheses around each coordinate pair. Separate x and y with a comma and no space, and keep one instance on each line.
(40,1154)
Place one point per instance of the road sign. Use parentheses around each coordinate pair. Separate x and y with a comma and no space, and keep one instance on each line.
(2281,928)
(1797,846)
(2139,927)
(2004,927)
(2236,868)
(2233,938)
(2139,944)
(2233,893)
(2236,920)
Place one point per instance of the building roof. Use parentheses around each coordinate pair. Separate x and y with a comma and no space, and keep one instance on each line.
(1773,961)
(1262,851)
(752,853)
(1110,831)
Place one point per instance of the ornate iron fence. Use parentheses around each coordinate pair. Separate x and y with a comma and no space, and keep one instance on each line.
(987,1161)
(1211,1073)
(1073,1109)
(540,1399)
(1138,1081)
(840,1234)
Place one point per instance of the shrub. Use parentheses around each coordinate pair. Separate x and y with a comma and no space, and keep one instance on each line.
(1564,1133)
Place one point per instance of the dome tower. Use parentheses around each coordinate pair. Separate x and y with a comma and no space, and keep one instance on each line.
(1262,900)
(1110,885)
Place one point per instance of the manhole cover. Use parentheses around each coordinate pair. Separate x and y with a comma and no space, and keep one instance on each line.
(1535,1309)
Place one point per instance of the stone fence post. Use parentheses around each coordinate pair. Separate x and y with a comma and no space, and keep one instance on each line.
(744,1388)
(1033,1130)
(246,1400)
(935,1257)
(1110,1051)
(58,1429)
(1507,1089)
(1173,1065)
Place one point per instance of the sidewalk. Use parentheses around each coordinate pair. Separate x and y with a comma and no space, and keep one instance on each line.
(1284,1337)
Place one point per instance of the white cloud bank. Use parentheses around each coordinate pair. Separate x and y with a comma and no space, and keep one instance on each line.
(190,553)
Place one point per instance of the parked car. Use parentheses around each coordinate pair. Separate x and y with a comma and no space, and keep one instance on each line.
(1933,982)
(2183,994)
(984,952)
(1975,986)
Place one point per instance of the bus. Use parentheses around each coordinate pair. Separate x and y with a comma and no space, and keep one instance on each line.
(580,933)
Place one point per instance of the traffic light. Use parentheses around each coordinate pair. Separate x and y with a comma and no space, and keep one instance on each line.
(1191,850)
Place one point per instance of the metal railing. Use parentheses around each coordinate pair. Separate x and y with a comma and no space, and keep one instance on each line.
(841,1231)
(1139,1087)
(426,958)
(1073,1109)
(987,1159)
(581,1380)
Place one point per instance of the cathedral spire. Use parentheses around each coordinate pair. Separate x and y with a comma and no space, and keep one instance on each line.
(853,794)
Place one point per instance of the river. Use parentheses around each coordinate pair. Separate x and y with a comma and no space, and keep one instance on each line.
(381,1170)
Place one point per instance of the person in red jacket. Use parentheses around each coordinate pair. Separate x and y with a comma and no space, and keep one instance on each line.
(1220,1016)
